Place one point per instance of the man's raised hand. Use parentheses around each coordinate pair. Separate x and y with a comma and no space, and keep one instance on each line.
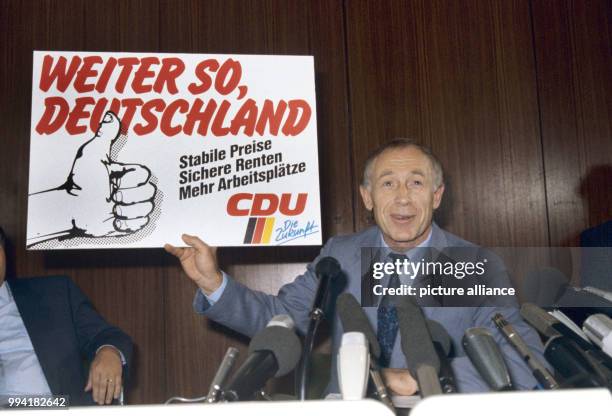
(199,261)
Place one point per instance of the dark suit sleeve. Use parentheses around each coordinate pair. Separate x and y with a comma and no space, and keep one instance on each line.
(92,330)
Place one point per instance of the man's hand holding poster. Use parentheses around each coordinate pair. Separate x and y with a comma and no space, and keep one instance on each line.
(132,150)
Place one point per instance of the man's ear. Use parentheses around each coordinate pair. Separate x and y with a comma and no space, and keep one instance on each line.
(437,196)
(366,197)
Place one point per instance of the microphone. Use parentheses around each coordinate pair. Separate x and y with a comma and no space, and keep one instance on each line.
(353,366)
(598,292)
(587,297)
(568,322)
(273,352)
(541,373)
(579,303)
(598,328)
(222,374)
(549,287)
(587,359)
(326,270)
(484,353)
(549,326)
(442,344)
(353,319)
(417,346)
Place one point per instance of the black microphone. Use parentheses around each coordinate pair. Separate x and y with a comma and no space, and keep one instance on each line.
(579,304)
(480,346)
(442,344)
(421,356)
(327,269)
(273,352)
(579,367)
(353,319)
(549,326)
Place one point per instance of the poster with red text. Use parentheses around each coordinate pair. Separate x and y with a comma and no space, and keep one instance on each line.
(134,149)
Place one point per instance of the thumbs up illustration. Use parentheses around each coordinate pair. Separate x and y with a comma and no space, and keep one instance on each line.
(101,197)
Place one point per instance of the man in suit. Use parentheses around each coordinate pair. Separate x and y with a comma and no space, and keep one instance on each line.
(48,328)
(402,186)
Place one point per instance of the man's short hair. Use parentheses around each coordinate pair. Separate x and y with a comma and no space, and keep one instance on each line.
(401,143)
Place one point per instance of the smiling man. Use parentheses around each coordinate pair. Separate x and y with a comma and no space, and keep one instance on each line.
(402,186)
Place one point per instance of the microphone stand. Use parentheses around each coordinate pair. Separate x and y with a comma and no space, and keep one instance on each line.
(327,269)
(316,315)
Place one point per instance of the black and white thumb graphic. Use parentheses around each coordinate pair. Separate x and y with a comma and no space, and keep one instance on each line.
(102,198)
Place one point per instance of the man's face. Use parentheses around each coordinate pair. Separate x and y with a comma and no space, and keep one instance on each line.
(402,195)
(2,265)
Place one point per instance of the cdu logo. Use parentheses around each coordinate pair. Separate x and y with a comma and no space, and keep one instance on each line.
(261,209)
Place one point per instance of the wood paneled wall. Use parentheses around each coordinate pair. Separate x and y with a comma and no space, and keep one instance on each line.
(459,76)
(573,52)
(513,96)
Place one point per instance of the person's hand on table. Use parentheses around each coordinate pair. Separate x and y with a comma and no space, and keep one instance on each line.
(105,375)
(399,381)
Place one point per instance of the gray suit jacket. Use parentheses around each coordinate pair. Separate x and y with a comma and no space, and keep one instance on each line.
(248,311)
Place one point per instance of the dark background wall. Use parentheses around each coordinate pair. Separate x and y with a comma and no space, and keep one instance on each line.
(513,96)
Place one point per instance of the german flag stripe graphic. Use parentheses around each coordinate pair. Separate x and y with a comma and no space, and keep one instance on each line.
(268,230)
(250,229)
(259,228)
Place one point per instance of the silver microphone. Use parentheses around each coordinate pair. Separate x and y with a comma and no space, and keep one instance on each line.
(222,374)
(541,373)
(598,328)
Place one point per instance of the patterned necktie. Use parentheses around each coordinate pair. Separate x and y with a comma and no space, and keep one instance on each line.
(386,316)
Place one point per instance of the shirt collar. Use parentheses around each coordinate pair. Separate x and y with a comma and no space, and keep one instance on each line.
(5,293)
(411,253)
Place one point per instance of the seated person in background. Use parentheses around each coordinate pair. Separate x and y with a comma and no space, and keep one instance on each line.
(47,329)
(402,185)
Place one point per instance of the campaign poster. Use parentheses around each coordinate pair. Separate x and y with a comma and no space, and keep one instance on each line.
(133,149)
